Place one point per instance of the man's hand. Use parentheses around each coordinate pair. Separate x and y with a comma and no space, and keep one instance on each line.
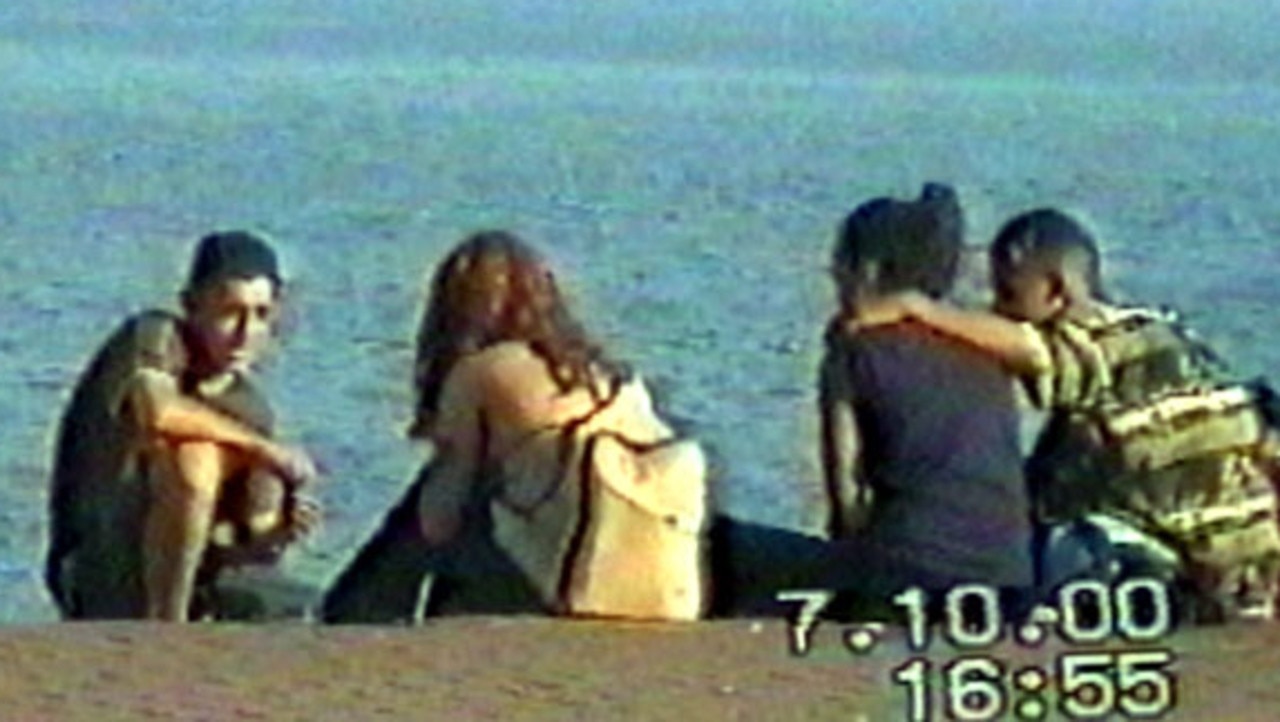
(301,519)
(304,517)
(293,464)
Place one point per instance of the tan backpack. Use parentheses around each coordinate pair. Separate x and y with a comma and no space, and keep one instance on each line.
(604,525)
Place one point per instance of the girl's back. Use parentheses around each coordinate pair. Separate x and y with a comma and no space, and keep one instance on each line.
(939,439)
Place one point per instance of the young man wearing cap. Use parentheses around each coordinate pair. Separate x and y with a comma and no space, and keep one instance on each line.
(165,470)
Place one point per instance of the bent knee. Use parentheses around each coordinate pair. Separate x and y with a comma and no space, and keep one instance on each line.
(265,493)
(257,501)
(193,470)
(262,523)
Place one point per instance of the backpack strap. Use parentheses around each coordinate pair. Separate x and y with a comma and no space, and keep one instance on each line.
(637,449)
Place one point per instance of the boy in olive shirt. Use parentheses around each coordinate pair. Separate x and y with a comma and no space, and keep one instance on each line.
(165,470)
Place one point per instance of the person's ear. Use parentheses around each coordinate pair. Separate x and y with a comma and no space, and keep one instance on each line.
(1058,293)
(1076,289)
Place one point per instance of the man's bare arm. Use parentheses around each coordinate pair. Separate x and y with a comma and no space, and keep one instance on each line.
(162,409)
(1016,345)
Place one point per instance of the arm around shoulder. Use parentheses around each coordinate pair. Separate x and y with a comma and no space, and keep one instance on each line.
(1017,345)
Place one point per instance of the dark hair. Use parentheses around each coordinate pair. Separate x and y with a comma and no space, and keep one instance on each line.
(913,244)
(231,254)
(493,288)
(1045,238)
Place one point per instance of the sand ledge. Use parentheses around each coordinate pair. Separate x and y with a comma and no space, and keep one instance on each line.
(529,668)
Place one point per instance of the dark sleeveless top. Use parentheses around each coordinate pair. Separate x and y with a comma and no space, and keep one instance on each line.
(939,431)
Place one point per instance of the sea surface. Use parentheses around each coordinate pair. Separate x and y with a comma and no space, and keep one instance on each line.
(683,165)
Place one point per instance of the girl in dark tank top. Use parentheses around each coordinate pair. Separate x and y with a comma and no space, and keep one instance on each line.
(920,432)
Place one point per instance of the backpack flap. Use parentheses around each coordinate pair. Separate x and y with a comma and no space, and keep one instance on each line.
(639,550)
(602,525)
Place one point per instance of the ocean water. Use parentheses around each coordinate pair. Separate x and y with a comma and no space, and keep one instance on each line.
(683,164)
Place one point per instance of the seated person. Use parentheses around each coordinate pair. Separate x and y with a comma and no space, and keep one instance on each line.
(919,443)
(508,384)
(165,471)
(1148,445)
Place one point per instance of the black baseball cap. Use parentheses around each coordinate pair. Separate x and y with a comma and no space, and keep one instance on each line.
(232,254)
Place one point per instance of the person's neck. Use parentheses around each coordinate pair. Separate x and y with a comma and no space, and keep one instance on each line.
(201,372)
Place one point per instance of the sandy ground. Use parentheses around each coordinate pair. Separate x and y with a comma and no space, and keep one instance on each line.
(527,668)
